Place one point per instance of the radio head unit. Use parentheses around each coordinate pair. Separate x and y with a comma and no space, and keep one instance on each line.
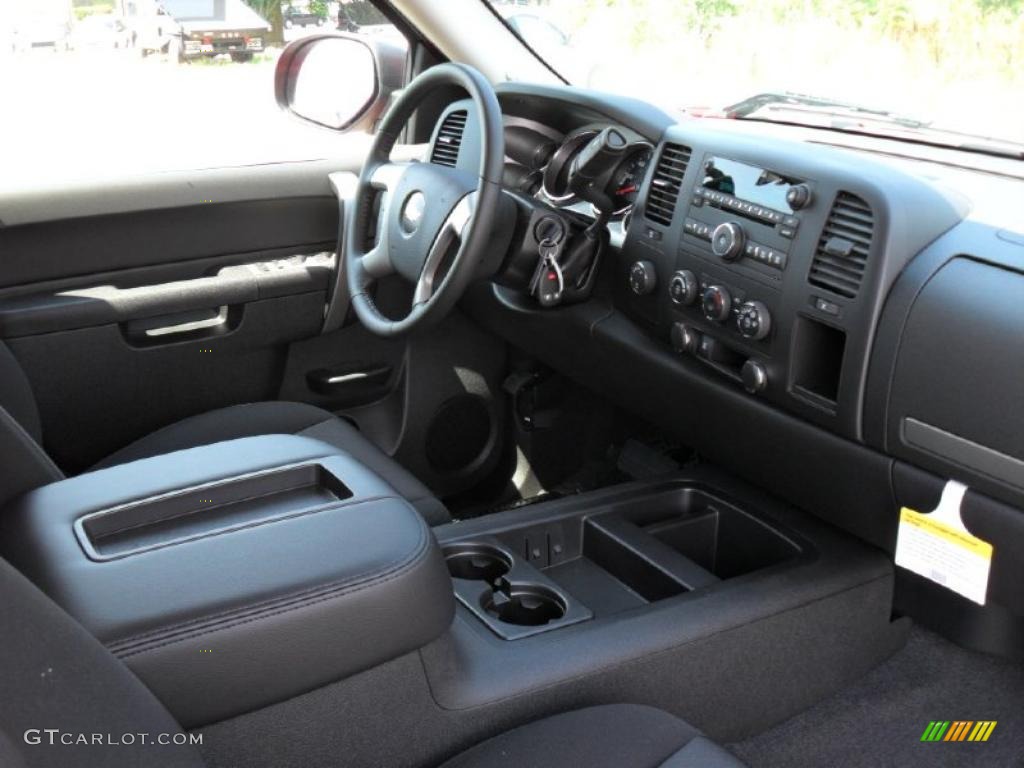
(762,188)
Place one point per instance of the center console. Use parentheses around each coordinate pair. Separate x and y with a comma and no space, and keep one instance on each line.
(768,264)
(684,588)
(235,575)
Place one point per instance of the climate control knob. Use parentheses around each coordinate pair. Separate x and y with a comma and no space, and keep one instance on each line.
(683,287)
(716,303)
(643,278)
(728,240)
(753,320)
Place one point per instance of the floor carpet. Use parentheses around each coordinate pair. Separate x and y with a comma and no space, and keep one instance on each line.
(880,720)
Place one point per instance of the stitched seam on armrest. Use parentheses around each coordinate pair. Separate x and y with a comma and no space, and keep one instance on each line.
(353,583)
(341,592)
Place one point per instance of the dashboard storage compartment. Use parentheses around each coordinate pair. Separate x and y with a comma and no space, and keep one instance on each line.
(973,431)
(269,558)
(817,363)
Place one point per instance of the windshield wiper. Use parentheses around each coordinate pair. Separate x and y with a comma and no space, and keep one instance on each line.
(903,128)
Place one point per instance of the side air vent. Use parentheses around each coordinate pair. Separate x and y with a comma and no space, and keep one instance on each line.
(449,139)
(666,183)
(844,246)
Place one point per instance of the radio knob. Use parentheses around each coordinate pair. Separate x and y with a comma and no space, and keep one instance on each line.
(643,278)
(753,320)
(755,377)
(716,303)
(727,241)
(799,197)
(685,339)
(683,288)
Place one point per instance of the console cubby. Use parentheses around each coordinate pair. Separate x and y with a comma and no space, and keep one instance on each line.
(616,557)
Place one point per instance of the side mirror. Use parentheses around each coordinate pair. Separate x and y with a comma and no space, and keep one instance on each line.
(339,81)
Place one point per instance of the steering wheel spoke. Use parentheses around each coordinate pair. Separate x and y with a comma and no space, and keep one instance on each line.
(385,176)
(449,236)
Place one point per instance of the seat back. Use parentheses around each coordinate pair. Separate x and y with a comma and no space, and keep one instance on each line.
(26,465)
(66,700)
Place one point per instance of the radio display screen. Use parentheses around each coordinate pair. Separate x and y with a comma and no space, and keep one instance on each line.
(747,182)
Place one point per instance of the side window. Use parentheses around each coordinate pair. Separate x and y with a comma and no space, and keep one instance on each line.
(100,88)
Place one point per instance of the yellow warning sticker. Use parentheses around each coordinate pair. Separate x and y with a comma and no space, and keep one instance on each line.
(939,547)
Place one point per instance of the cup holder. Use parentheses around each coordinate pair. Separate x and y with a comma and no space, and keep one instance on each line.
(525,605)
(477,562)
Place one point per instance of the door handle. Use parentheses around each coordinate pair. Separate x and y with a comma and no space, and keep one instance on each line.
(351,384)
(181,326)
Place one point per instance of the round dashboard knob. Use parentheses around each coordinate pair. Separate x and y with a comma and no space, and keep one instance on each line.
(755,377)
(727,240)
(643,277)
(798,196)
(753,320)
(685,339)
(717,303)
(683,288)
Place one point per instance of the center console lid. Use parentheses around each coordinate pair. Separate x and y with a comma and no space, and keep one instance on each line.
(238,574)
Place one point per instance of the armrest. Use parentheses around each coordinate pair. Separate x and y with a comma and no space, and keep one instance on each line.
(238,574)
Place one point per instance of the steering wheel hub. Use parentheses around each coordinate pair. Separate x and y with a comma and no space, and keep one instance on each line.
(435,222)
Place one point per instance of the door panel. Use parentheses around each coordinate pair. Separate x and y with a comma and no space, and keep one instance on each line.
(127,320)
(135,306)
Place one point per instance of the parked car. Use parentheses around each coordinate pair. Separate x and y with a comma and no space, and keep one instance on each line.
(42,33)
(293,17)
(103,31)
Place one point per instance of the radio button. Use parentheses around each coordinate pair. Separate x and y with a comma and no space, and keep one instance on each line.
(799,196)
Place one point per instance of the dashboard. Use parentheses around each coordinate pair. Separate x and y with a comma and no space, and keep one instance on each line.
(766,293)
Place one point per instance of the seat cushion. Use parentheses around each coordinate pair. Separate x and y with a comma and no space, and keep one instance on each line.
(273,418)
(58,676)
(614,735)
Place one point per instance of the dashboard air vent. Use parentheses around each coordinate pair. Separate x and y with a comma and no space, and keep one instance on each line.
(843,249)
(449,139)
(666,183)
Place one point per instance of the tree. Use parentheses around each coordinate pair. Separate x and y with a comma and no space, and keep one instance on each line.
(271,11)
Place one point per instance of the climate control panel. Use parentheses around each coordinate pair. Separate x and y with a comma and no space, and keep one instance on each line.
(720,304)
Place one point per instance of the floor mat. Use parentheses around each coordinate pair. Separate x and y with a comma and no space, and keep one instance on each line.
(880,720)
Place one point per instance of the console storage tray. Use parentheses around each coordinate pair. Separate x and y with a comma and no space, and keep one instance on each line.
(208,509)
(612,558)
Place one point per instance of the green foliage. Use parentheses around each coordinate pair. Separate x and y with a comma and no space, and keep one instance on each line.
(91,8)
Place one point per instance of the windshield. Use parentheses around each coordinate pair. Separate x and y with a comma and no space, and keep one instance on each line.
(941,71)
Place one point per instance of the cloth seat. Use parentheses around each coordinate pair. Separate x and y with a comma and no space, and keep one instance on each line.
(271,418)
(58,676)
(609,736)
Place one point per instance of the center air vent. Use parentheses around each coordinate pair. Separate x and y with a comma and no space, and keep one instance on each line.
(843,249)
(449,139)
(666,183)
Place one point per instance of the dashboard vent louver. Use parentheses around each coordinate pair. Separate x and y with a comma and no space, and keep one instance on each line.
(666,183)
(449,139)
(842,253)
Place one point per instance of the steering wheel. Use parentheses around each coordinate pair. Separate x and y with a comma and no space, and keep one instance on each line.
(426,210)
